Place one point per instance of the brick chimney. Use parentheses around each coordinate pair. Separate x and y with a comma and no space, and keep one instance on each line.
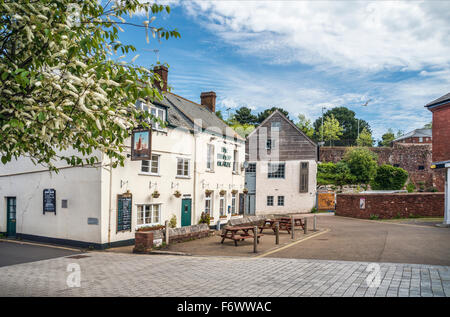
(162,71)
(208,99)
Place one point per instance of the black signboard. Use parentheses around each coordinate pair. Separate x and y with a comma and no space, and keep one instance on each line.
(141,145)
(49,200)
(124,212)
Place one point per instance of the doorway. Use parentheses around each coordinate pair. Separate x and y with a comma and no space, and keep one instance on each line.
(11,216)
(186,212)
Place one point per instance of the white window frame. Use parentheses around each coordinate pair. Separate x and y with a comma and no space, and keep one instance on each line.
(276,174)
(210,149)
(233,204)
(184,160)
(150,163)
(222,206)
(278,200)
(159,113)
(267,200)
(151,210)
(210,211)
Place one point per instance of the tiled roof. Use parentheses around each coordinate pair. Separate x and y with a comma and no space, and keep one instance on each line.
(415,134)
(439,100)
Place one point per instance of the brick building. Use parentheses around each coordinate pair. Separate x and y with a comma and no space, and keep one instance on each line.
(417,136)
(441,144)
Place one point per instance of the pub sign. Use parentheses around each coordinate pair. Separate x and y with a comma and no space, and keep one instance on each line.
(141,144)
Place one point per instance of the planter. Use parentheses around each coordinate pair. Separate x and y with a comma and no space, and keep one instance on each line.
(177,194)
(234,191)
(208,192)
(143,241)
(245,190)
(222,192)
(155,194)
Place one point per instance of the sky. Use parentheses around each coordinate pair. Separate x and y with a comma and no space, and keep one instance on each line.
(305,55)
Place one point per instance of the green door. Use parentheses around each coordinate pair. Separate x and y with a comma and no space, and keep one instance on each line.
(11,216)
(185,212)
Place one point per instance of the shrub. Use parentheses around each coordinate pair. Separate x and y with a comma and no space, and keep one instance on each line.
(204,218)
(410,187)
(173,222)
(362,164)
(374,217)
(334,174)
(389,177)
(314,210)
(432,189)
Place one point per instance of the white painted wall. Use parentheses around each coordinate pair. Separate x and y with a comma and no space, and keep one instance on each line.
(289,187)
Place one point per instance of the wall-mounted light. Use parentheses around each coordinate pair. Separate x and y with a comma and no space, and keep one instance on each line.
(152,184)
(175,185)
(122,183)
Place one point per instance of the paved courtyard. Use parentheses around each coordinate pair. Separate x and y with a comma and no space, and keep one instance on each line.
(116,274)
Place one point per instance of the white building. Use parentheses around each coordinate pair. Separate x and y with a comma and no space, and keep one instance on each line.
(194,153)
(281,168)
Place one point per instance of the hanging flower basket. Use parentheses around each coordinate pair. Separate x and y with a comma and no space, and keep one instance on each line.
(208,192)
(155,194)
(234,191)
(245,190)
(177,194)
(222,192)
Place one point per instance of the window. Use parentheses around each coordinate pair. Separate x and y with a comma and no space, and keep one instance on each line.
(276,125)
(269,144)
(158,113)
(210,157)
(151,167)
(420,139)
(421,167)
(251,168)
(269,200)
(275,170)
(304,171)
(148,214)
(208,205)
(280,200)
(235,161)
(182,167)
(222,205)
(233,203)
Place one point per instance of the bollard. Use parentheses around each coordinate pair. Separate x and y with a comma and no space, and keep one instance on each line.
(315,223)
(167,232)
(292,228)
(277,233)
(255,239)
(305,227)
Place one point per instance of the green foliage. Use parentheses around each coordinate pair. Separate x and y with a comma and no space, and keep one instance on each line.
(362,164)
(173,222)
(389,177)
(263,115)
(244,116)
(365,138)
(332,130)
(374,217)
(242,129)
(428,125)
(387,138)
(314,210)
(204,218)
(219,114)
(348,122)
(410,187)
(63,85)
(305,125)
(336,174)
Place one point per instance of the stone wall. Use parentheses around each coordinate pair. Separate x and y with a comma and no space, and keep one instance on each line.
(410,157)
(386,206)
(188,233)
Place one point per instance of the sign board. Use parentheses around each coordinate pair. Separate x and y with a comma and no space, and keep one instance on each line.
(362,203)
(49,200)
(325,201)
(223,159)
(124,207)
(141,144)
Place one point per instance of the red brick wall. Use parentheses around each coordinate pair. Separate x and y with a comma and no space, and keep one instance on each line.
(388,206)
(416,140)
(143,241)
(441,133)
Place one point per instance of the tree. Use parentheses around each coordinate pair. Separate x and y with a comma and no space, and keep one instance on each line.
(365,138)
(264,114)
(387,138)
(305,125)
(332,130)
(428,125)
(61,87)
(389,177)
(242,129)
(349,123)
(362,163)
(244,115)
(219,114)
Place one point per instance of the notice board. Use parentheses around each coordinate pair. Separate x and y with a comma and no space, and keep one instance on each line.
(124,208)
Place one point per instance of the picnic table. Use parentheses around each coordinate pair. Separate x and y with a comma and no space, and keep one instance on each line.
(285,224)
(233,233)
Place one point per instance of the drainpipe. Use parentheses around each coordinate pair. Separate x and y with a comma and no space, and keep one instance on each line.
(194,192)
(110,205)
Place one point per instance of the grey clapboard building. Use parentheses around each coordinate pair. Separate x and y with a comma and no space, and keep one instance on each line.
(281,168)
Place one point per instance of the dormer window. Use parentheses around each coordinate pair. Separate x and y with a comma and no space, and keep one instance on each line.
(160,114)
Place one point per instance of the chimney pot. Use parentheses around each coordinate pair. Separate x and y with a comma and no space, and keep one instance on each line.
(208,99)
(162,71)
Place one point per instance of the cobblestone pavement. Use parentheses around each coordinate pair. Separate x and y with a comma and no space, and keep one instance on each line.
(112,274)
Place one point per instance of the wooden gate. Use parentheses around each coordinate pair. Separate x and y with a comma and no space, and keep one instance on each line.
(326,201)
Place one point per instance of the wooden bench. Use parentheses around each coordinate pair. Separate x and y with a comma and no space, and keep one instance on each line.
(231,232)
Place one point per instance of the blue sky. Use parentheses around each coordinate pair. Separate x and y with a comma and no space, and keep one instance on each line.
(305,55)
